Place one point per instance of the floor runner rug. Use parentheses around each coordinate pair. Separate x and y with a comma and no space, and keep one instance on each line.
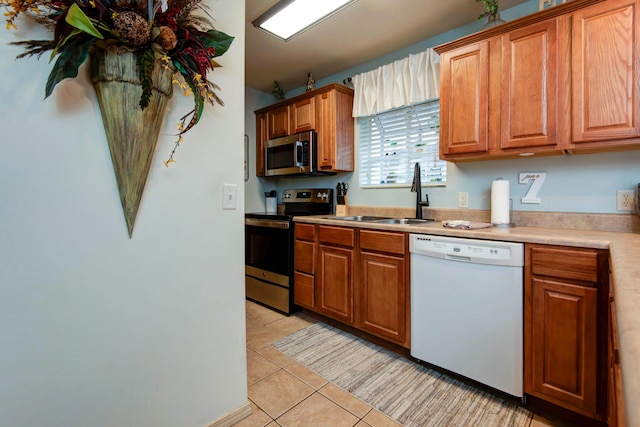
(407,392)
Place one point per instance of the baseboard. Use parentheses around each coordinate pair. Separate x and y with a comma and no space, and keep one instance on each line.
(232,417)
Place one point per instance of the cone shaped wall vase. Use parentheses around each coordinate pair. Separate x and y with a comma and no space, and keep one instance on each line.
(131,132)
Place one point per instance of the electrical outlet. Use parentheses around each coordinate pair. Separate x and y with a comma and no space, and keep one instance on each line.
(463,199)
(625,200)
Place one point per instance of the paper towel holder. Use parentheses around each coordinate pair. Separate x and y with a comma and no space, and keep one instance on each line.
(510,223)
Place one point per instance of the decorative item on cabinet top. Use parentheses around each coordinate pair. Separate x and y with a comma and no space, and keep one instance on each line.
(493,17)
(136,50)
(545,4)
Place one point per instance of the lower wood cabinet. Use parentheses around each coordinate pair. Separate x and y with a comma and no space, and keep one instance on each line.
(566,309)
(335,283)
(304,262)
(383,296)
(615,405)
(360,278)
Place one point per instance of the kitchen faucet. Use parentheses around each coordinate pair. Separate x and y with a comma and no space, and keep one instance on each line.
(417,188)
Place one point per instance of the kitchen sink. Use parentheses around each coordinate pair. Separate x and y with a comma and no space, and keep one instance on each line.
(360,218)
(406,221)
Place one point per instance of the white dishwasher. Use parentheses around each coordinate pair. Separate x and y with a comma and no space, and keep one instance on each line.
(467,308)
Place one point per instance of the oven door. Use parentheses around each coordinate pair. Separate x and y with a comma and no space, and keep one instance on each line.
(268,262)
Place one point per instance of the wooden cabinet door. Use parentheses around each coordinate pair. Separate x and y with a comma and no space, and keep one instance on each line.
(303,115)
(383,296)
(261,138)
(335,283)
(464,99)
(530,90)
(326,149)
(561,344)
(278,122)
(606,63)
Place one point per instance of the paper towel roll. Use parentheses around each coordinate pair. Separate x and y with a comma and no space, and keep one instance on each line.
(500,201)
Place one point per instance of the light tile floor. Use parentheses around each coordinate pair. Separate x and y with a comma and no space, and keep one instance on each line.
(285,393)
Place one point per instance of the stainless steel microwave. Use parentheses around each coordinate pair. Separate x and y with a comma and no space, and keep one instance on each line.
(294,155)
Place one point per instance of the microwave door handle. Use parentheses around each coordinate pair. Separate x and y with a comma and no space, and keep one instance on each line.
(297,155)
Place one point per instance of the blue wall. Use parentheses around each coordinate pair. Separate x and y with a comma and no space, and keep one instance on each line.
(582,183)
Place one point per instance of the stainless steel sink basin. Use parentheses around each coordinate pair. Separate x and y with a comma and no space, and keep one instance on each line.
(360,218)
(406,221)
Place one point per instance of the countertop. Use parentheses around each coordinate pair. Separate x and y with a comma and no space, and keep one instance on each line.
(624,251)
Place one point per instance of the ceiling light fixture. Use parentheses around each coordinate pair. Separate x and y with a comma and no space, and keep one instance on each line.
(288,18)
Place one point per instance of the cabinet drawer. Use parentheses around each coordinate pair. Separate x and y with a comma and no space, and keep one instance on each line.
(305,231)
(565,263)
(304,256)
(337,235)
(303,290)
(381,241)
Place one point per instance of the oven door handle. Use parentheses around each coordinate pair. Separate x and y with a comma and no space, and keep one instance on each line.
(267,223)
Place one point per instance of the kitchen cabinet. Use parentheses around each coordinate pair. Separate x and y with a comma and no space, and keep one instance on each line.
(464,100)
(605,65)
(563,80)
(615,407)
(566,306)
(532,95)
(303,115)
(335,131)
(361,279)
(327,111)
(278,122)
(304,262)
(261,138)
(501,96)
(384,292)
(336,273)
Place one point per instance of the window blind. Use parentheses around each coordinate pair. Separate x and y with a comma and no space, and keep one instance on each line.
(393,141)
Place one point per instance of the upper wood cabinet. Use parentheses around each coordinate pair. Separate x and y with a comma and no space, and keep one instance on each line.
(561,80)
(501,96)
(261,138)
(533,61)
(464,100)
(327,111)
(278,122)
(605,66)
(303,115)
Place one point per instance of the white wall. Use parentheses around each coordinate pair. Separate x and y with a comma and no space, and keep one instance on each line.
(583,183)
(97,329)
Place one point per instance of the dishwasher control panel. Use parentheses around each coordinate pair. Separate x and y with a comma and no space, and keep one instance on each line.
(468,250)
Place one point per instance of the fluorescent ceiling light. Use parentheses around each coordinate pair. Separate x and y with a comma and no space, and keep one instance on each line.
(289,18)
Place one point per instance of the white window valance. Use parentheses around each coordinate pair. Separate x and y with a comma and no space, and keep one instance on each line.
(405,82)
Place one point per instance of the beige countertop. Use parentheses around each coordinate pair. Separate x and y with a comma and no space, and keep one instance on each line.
(624,250)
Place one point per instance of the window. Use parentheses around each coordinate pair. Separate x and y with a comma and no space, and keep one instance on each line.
(393,141)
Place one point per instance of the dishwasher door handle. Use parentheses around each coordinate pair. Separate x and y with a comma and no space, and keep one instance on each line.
(457,258)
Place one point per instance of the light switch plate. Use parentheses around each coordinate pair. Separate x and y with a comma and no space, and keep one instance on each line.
(229,196)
